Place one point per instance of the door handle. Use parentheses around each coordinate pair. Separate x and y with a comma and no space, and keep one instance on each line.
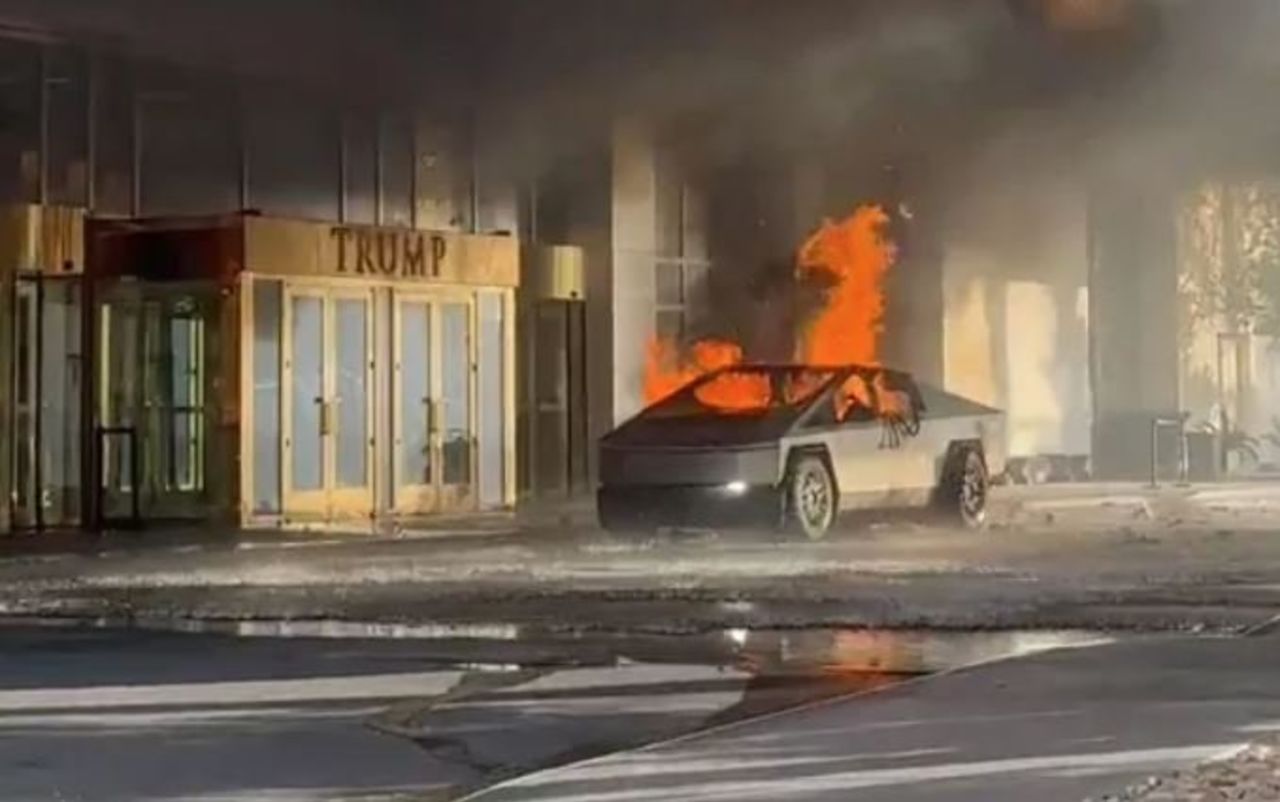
(433,415)
(324,417)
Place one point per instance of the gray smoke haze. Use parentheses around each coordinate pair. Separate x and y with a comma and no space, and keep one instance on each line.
(960,111)
(957,113)
(1134,82)
(1141,88)
(1162,85)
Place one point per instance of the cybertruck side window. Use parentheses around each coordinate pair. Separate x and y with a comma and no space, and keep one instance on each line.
(851,403)
(822,417)
(856,400)
(899,395)
(868,397)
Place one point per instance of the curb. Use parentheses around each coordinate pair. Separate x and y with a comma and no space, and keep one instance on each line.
(236,542)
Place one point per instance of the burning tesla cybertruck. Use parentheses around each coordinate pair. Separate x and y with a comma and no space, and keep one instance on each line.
(792,446)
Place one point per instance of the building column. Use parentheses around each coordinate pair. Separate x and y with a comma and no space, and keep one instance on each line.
(1014,276)
(1134,326)
(633,246)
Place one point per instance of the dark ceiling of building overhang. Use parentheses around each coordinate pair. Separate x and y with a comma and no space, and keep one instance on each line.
(794,72)
(348,47)
(516,45)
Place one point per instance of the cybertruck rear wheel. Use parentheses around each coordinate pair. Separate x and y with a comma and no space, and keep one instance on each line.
(811,497)
(962,496)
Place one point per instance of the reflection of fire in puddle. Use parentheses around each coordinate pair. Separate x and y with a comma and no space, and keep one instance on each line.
(502,647)
(826,652)
(797,667)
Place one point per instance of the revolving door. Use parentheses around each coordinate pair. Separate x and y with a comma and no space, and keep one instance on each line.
(47,394)
(156,445)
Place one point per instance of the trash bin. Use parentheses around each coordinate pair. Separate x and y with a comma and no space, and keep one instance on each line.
(1202,456)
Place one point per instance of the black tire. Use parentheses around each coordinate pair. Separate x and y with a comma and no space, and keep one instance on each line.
(618,523)
(965,486)
(812,497)
(626,529)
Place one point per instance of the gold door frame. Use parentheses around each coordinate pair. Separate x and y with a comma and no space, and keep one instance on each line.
(309,502)
(459,497)
(357,501)
(328,501)
(413,499)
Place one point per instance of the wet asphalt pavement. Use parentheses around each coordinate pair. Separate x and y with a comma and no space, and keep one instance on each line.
(136,716)
(128,715)
(420,669)
(1064,726)
(110,715)
(92,715)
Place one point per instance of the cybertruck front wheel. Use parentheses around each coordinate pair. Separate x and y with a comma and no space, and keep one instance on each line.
(621,520)
(812,501)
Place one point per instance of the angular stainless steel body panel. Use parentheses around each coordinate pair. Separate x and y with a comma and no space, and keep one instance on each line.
(878,462)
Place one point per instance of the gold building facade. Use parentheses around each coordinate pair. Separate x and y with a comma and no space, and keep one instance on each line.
(273,371)
(42,367)
(253,370)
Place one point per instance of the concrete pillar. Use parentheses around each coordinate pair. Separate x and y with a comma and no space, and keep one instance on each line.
(1015,313)
(591,231)
(1134,326)
(633,245)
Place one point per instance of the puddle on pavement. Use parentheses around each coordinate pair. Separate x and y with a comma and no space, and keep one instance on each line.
(909,652)
(810,652)
(764,672)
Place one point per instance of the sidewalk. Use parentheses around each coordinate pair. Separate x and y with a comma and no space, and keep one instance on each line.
(1010,505)
(544,518)
(1067,556)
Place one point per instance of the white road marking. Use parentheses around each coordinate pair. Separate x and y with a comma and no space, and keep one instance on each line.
(369,686)
(177,718)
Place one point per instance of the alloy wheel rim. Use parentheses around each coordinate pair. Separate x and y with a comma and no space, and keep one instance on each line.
(972,491)
(814,498)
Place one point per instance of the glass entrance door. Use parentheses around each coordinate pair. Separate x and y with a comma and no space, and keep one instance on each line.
(433,412)
(47,388)
(328,420)
(555,412)
(153,414)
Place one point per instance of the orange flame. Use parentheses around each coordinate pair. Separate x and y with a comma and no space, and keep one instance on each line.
(736,392)
(854,254)
(666,370)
